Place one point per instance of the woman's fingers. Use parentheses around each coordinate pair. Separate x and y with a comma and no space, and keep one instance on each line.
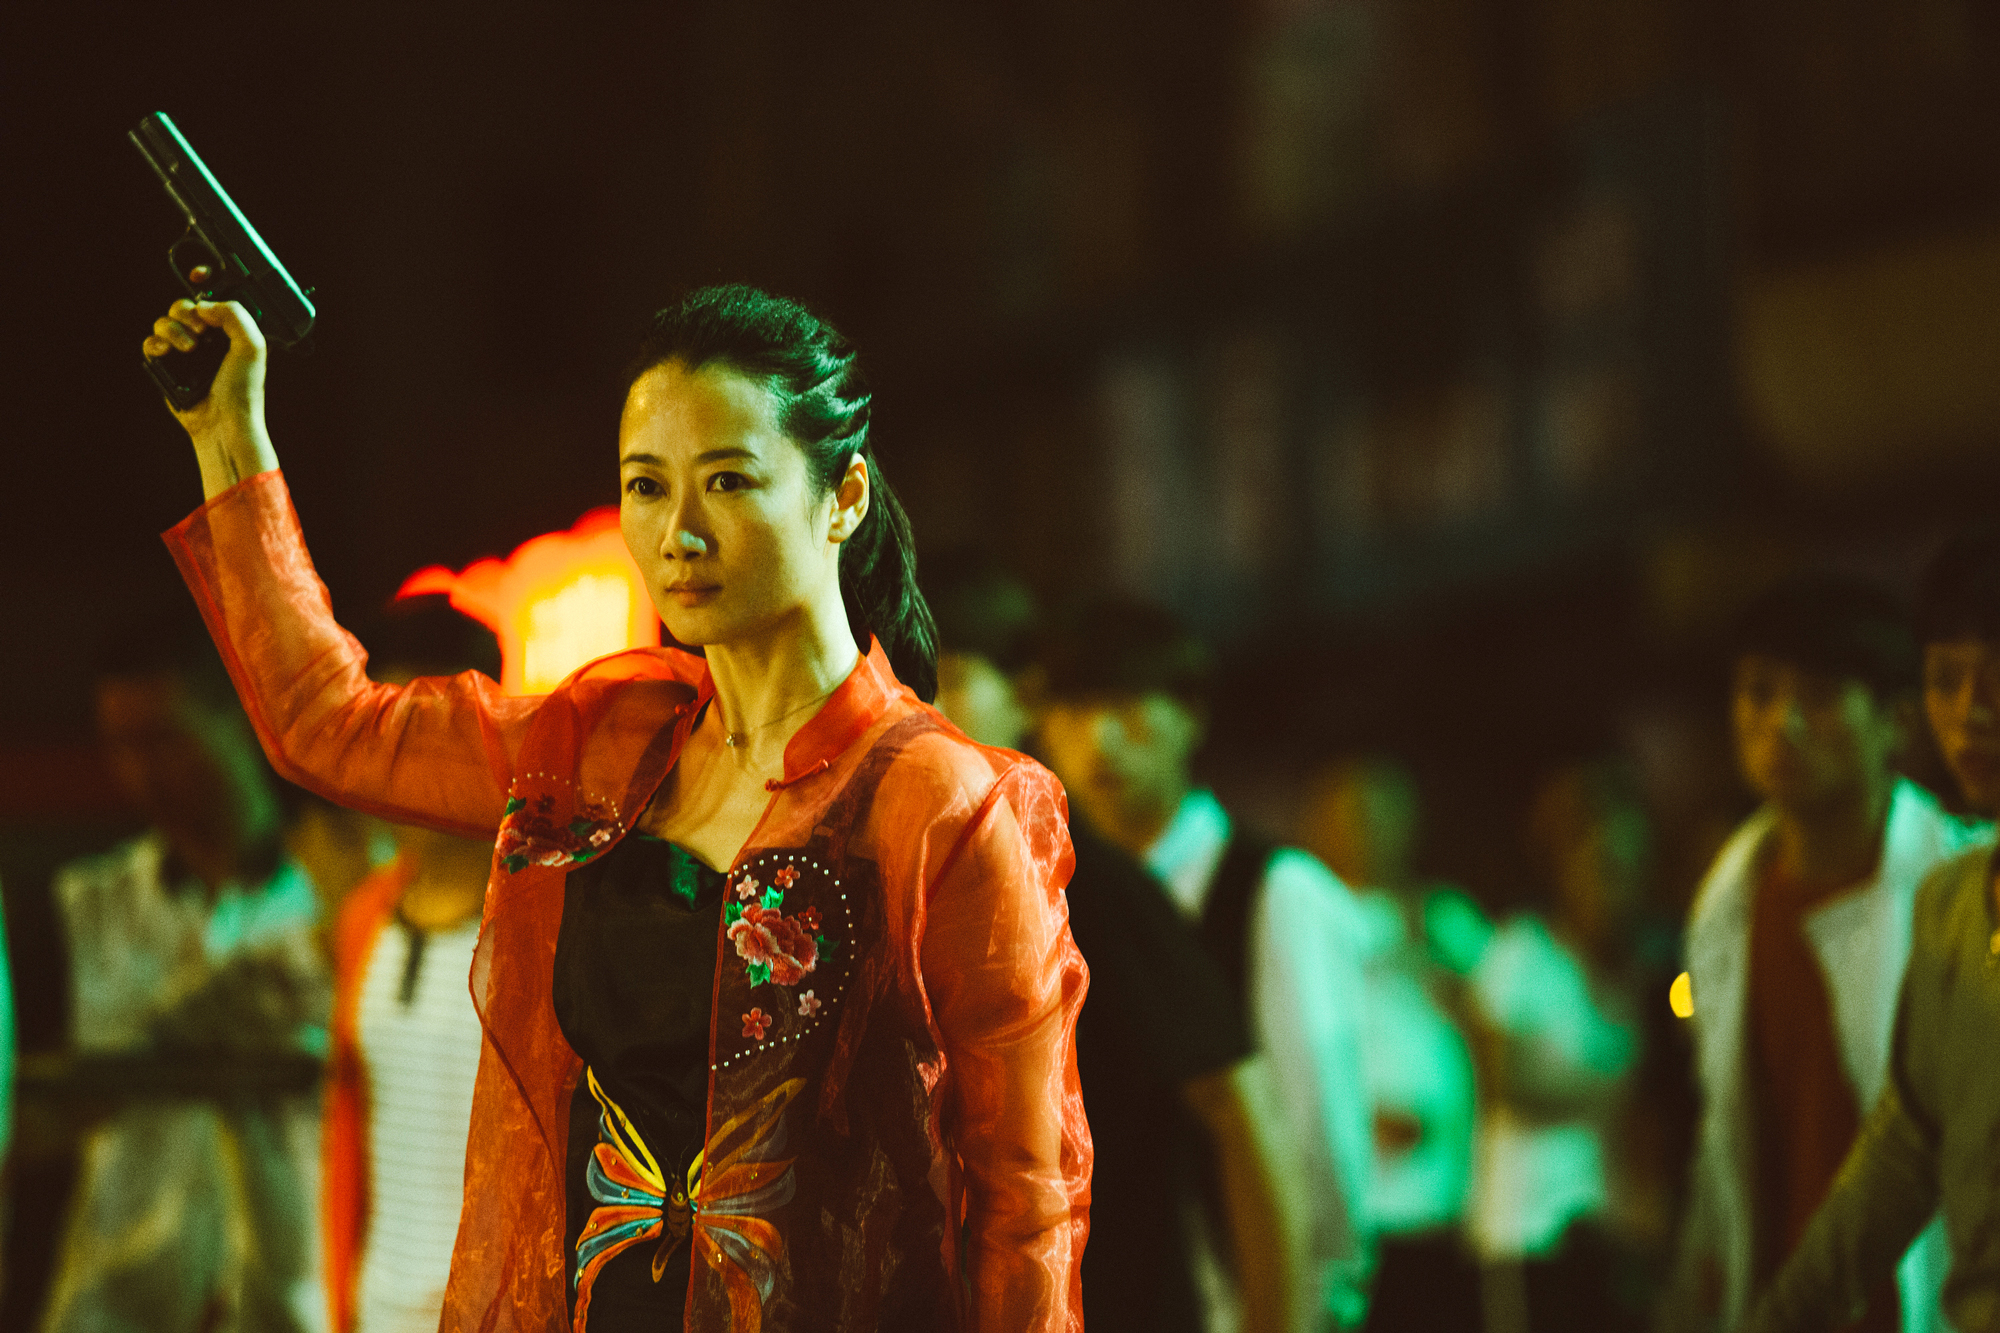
(174,333)
(185,322)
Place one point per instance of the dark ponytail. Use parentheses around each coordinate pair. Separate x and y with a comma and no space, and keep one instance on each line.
(823,406)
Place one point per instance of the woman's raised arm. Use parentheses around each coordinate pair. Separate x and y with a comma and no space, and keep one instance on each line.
(437,752)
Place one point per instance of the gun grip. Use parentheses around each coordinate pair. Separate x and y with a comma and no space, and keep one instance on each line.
(185,376)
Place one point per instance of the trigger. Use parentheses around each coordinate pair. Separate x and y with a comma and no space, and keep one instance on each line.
(189,256)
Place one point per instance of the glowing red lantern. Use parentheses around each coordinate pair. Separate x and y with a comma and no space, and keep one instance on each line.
(558,601)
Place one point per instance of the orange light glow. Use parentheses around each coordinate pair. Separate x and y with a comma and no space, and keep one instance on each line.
(558,601)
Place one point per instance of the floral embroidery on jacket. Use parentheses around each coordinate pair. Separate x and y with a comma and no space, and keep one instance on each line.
(773,946)
(793,933)
(530,835)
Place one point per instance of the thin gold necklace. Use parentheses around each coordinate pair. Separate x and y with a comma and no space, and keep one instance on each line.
(734,739)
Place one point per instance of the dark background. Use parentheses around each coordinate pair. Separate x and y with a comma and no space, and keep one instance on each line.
(1458,366)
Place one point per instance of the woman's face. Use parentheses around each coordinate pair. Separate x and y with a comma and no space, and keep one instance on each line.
(718,509)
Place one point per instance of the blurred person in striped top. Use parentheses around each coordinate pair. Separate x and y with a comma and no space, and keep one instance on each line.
(406,1037)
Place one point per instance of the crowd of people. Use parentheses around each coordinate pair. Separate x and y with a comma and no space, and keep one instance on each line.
(1488,1099)
(798,1004)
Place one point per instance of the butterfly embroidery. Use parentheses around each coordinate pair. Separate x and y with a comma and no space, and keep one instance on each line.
(634,1202)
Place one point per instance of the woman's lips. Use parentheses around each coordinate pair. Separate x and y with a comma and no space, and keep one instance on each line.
(693,594)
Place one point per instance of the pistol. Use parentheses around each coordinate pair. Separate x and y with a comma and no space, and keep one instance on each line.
(239,266)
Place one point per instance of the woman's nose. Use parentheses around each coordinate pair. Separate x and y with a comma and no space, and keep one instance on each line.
(682,543)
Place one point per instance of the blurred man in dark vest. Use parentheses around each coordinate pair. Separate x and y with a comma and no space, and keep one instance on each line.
(1125,710)
(1162,1049)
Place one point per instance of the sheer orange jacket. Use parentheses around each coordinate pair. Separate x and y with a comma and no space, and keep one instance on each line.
(895,1134)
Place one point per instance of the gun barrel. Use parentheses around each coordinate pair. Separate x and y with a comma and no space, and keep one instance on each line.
(284,311)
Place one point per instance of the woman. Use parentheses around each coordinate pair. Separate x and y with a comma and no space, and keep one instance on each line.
(774,968)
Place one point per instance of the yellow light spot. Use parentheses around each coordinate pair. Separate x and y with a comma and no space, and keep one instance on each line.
(1680,996)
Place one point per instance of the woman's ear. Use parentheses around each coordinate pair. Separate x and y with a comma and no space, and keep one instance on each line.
(850,501)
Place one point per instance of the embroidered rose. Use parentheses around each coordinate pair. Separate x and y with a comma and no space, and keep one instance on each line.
(774,947)
(755,1024)
(532,835)
(786,877)
(808,1005)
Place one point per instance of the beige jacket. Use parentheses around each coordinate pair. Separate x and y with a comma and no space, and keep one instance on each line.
(1934,1137)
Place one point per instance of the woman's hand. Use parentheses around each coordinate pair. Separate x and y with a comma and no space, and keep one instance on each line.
(227,427)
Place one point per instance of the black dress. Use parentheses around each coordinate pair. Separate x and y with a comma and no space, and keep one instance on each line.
(634,992)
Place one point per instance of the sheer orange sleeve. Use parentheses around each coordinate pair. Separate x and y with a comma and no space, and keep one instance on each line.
(1005,983)
(437,752)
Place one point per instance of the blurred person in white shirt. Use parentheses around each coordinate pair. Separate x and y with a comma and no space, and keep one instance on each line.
(1554,998)
(1362,816)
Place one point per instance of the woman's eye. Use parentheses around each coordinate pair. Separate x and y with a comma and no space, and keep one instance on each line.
(645,486)
(727,481)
